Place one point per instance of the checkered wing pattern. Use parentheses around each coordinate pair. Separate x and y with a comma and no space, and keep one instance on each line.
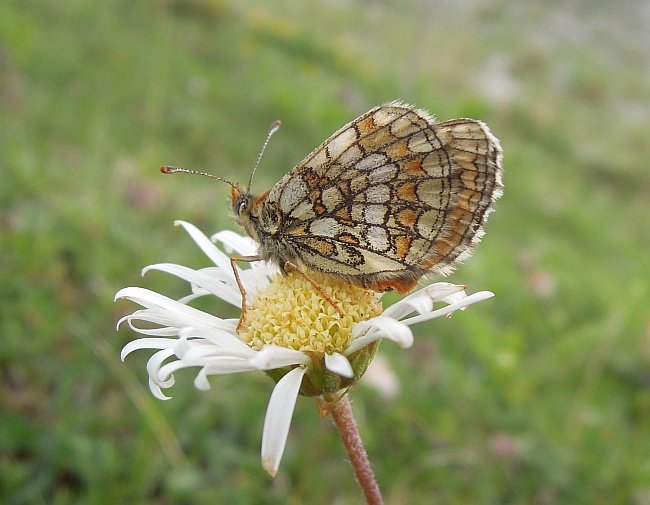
(390,197)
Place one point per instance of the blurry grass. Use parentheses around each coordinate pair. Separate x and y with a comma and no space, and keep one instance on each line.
(538,396)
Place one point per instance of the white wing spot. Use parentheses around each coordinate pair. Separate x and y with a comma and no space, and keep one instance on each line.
(419,143)
(379,193)
(293,193)
(371,161)
(341,142)
(331,198)
(383,116)
(352,155)
(382,174)
(325,227)
(376,214)
(377,238)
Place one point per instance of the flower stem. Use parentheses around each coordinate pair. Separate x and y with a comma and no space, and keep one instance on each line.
(344,420)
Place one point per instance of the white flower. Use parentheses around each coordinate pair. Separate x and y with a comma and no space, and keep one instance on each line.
(187,337)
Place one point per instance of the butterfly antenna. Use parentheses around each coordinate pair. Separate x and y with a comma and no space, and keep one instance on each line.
(171,170)
(272,130)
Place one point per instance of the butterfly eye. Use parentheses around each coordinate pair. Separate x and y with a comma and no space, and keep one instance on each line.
(241,207)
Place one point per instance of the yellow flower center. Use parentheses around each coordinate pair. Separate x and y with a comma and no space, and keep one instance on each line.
(291,312)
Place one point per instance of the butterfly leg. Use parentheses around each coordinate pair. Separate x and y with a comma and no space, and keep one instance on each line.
(291,267)
(325,404)
(235,270)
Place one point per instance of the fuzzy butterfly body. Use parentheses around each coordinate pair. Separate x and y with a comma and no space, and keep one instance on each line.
(389,198)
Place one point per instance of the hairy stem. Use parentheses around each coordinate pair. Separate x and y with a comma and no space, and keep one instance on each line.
(344,420)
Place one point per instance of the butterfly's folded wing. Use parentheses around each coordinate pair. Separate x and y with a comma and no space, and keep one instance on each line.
(392,195)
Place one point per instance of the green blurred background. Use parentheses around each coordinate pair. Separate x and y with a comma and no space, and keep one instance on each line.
(538,396)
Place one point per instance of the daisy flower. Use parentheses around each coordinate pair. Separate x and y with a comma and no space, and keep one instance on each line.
(290,331)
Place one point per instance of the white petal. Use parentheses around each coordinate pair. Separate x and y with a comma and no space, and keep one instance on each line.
(165,331)
(147,343)
(339,364)
(199,351)
(151,316)
(455,297)
(200,277)
(183,315)
(441,291)
(420,304)
(165,373)
(155,362)
(274,356)
(377,328)
(216,281)
(180,271)
(225,340)
(156,391)
(220,365)
(393,330)
(278,419)
(201,381)
(209,249)
(223,366)
(244,246)
(465,302)
(422,300)
(255,278)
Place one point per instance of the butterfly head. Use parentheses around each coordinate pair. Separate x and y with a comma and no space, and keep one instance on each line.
(250,211)
(241,201)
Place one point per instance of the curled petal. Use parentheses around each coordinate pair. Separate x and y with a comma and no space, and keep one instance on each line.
(157,391)
(156,361)
(166,372)
(377,328)
(278,419)
(445,291)
(151,316)
(201,381)
(339,364)
(422,301)
(459,305)
(146,343)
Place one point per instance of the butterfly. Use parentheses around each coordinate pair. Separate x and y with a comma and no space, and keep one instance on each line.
(388,199)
